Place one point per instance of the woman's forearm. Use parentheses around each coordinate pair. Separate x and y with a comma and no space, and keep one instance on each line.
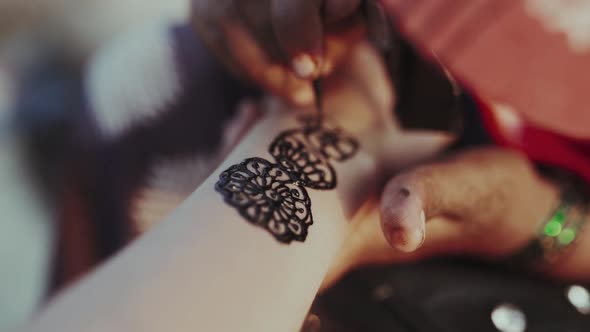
(207,268)
(217,263)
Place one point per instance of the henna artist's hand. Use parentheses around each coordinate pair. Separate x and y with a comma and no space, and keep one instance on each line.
(279,44)
(487,202)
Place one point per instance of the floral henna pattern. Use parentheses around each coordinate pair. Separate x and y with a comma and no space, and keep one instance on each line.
(333,144)
(293,151)
(269,197)
(273,195)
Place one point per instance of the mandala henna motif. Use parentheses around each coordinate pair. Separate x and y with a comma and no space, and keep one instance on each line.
(293,151)
(333,144)
(269,197)
(273,195)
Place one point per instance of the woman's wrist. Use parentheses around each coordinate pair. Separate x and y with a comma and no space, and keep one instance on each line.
(207,259)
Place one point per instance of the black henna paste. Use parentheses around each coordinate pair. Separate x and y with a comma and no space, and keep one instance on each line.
(273,195)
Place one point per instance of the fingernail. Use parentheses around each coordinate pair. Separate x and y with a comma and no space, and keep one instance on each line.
(405,230)
(304,66)
(408,240)
(422,229)
(405,240)
(303,96)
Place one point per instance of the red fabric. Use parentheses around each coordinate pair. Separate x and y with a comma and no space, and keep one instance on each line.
(533,55)
(541,145)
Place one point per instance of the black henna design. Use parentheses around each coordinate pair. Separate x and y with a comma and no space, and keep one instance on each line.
(330,142)
(294,151)
(273,195)
(269,197)
(333,144)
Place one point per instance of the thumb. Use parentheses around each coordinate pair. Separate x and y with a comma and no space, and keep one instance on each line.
(487,191)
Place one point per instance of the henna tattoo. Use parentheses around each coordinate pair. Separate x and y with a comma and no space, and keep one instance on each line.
(293,151)
(273,195)
(269,197)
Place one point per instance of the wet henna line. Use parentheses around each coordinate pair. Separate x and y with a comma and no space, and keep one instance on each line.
(273,195)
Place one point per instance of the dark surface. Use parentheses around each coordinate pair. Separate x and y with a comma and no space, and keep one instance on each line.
(443,295)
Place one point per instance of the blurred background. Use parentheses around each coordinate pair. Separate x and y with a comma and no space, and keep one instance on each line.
(100,137)
(44,48)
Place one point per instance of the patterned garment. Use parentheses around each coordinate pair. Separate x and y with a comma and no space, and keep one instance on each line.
(161,104)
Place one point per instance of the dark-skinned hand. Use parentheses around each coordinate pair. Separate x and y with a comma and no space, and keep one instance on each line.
(281,45)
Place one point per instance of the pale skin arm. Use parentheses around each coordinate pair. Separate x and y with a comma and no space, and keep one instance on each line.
(205,268)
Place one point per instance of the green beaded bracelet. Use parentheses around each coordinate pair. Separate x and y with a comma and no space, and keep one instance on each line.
(559,231)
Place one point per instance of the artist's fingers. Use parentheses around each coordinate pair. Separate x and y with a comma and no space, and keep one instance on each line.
(300,30)
(241,36)
(278,44)
(208,20)
(274,78)
(488,191)
(486,202)
(256,18)
(366,245)
(298,26)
